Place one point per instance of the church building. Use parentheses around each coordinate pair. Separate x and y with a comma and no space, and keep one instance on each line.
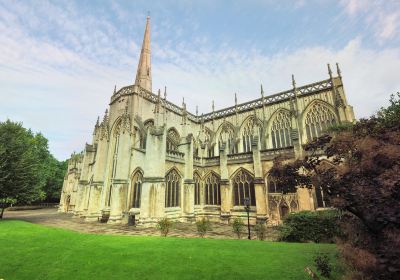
(150,158)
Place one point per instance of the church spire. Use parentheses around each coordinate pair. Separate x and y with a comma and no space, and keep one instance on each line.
(143,75)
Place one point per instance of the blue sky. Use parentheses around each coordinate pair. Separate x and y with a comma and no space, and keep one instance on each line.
(60,60)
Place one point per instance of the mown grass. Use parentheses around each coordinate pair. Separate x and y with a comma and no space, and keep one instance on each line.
(30,251)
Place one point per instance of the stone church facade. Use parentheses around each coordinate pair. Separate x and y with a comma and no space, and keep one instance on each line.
(150,158)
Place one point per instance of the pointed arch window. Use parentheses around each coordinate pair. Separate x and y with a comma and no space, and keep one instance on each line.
(212,192)
(227,137)
(197,189)
(243,187)
(318,119)
(137,181)
(250,130)
(172,190)
(280,130)
(273,185)
(173,140)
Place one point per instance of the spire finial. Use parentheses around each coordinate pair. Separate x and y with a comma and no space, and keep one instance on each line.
(105,115)
(165,93)
(98,121)
(329,71)
(159,95)
(262,92)
(339,73)
(293,81)
(143,74)
(197,110)
(212,106)
(235,99)
(115,89)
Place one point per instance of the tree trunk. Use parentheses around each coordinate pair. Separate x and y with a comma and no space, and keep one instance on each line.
(2,211)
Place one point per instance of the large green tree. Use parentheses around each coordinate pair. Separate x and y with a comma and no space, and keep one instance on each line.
(28,172)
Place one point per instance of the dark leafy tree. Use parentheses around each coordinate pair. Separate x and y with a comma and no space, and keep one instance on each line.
(362,179)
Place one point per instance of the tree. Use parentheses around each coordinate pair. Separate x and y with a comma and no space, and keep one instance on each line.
(28,172)
(362,179)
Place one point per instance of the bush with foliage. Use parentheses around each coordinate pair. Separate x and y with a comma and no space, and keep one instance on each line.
(203,226)
(164,225)
(261,231)
(305,226)
(237,227)
(323,265)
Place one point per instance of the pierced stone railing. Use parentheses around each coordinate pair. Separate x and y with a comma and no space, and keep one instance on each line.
(271,153)
(257,103)
(210,161)
(196,160)
(176,154)
(241,157)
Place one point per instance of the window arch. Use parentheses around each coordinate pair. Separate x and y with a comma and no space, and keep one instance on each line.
(212,191)
(243,187)
(273,185)
(141,141)
(172,190)
(197,189)
(137,181)
(318,119)
(280,130)
(227,137)
(250,130)
(173,139)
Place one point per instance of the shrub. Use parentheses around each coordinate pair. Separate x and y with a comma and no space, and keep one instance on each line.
(261,231)
(203,226)
(317,226)
(237,227)
(323,265)
(164,225)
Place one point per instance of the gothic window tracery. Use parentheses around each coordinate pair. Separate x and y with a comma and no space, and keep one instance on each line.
(212,192)
(173,140)
(227,137)
(197,189)
(172,190)
(321,201)
(137,181)
(273,185)
(250,130)
(280,130)
(243,187)
(317,120)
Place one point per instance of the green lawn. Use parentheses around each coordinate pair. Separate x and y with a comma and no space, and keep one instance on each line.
(30,251)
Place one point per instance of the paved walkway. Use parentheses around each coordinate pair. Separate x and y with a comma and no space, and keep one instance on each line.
(50,217)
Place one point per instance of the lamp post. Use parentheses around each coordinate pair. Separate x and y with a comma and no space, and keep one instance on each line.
(247,207)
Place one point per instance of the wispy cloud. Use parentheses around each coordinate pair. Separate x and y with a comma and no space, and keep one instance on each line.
(59,62)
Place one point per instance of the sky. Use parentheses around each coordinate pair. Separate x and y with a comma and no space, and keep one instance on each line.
(60,60)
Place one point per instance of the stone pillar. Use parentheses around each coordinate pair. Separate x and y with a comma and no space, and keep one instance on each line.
(153,189)
(152,206)
(118,200)
(188,201)
(80,198)
(188,182)
(93,212)
(261,205)
(226,199)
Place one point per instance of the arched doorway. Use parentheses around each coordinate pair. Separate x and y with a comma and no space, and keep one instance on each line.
(284,209)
